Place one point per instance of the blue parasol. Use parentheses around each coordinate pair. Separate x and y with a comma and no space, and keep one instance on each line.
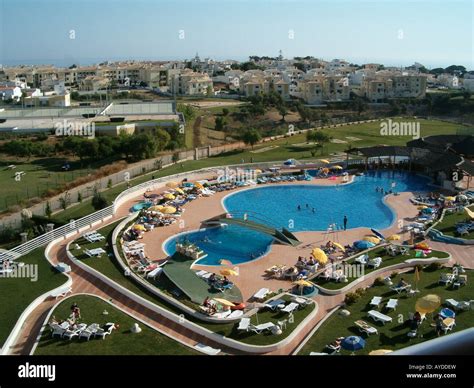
(362,244)
(353,343)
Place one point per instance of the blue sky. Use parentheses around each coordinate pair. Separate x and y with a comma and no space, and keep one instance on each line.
(435,33)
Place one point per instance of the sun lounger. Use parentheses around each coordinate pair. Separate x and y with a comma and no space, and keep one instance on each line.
(461,280)
(290,308)
(364,327)
(103,332)
(318,354)
(302,301)
(392,304)
(207,349)
(262,327)
(261,294)
(94,252)
(57,330)
(153,274)
(375,262)
(69,334)
(448,325)
(379,317)
(362,259)
(273,304)
(334,349)
(399,290)
(222,314)
(461,305)
(88,332)
(235,314)
(244,324)
(446,278)
(376,300)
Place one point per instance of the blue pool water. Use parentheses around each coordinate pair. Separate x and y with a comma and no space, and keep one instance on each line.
(277,206)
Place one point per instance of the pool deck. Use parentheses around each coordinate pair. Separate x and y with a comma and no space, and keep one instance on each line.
(252,273)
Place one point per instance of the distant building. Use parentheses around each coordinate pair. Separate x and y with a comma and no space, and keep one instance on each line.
(384,86)
(10,93)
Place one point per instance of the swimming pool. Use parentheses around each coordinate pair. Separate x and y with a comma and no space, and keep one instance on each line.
(277,206)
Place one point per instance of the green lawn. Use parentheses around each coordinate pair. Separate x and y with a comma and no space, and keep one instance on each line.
(448,225)
(393,335)
(41,175)
(121,342)
(17,293)
(387,260)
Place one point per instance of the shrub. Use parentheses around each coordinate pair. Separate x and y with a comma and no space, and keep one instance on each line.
(379,281)
(109,183)
(393,275)
(79,197)
(351,298)
(360,291)
(47,210)
(434,266)
(7,234)
(98,201)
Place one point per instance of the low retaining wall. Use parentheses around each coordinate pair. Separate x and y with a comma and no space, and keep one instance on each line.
(436,235)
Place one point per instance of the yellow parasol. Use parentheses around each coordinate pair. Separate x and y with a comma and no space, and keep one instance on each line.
(229,272)
(224,302)
(302,283)
(394,237)
(178,190)
(325,170)
(339,246)
(156,208)
(470,213)
(138,227)
(169,196)
(168,210)
(380,352)
(198,185)
(371,239)
(258,171)
(325,161)
(319,256)
(428,303)
(422,207)
(450,198)
(337,167)
(172,184)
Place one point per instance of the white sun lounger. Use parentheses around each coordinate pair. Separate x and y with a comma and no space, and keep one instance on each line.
(103,333)
(458,305)
(399,290)
(290,308)
(69,334)
(273,304)
(263,326)
(57,330)
(207,349)
(261,294)
(375,262)
(392,304)
(376,300)
(364,327)
(302,301)
(244,324)
(235,314)
(379,317)
(362,259)
(89,331)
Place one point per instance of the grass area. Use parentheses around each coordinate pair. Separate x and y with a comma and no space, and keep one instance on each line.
(121,342)
(393,335)
(287,148)
(108,265)
(18,293)
(448,225)
(387,261)
(40,175)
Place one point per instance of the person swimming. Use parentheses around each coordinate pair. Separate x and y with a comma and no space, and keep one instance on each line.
(299,207)
(313,210)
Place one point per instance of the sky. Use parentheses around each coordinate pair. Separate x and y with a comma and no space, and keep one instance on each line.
(433,32)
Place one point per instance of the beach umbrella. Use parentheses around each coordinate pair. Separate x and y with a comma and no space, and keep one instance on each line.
(337,167)
(447,313)
(361,244)
(339,246)
(178,190)
(394,237)
(450,198)
(372,239)
(172,184)
(139,227)
(380,352)
(320,256)
(378,234)
(427,210)
(325,161)
(168,210)
(229,272)
(198,185)
(302,283)
(353,343)
(422,207)
(428,303)
(169,196)
(258,171)
(224,302)
(156,208)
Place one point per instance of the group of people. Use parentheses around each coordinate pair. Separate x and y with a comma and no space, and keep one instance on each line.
(313,210)
(218,283)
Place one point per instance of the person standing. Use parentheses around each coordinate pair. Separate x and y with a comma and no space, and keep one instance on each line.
(345,222)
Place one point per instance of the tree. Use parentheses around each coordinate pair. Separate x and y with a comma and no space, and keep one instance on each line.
(162,139)
(65,200)
(251,137)
(225,112)
(47,211)
(220,123)
(359,105)
(318,137)
(283,111)
(98,201)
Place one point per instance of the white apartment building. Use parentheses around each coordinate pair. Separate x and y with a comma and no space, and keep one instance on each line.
(320,89)
(384,86)
(448,80)
(190,83)
(10,93)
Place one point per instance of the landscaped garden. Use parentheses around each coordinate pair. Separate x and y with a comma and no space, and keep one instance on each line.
(121,341)
(387,261)
(448,225)
(393,335)
(17,293)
